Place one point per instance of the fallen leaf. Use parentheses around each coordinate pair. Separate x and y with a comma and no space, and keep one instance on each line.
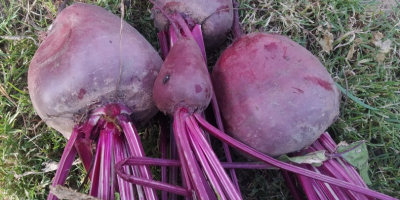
(356,154)
(50,166)
(315,158)
(319,29)
(326,42)
(380,57)
(384,46)
(66,193)
(350,73)
(377,36)
(351,52)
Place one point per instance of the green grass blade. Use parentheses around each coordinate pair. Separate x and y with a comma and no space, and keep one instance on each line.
(355,99)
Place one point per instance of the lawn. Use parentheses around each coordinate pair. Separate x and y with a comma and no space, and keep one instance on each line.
(358,43)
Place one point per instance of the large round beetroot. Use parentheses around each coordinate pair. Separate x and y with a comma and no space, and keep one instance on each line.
(84,61)
(274,95)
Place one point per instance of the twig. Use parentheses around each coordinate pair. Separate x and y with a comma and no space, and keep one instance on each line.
(352,33)
(18,38)
(29,10)
(120,46)
(347,90)
(4,93)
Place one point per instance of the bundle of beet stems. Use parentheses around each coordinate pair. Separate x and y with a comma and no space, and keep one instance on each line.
(203,175)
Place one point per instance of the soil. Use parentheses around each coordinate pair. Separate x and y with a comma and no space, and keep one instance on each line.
(388,4)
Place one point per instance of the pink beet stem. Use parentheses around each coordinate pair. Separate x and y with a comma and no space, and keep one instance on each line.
(84,149)
(206,167)
(173,174)
(290,182)
(237,33)
(147,182)
(181,22)
(220,126)
(336,170)
(104,182)
(163,141)
(134,160)
(65,164)
(105,167)
(188,161)
(222,136)
(162,39)
(136,149)
(126,189)
(132,170)
(226,183)
(96,173)
(198,37)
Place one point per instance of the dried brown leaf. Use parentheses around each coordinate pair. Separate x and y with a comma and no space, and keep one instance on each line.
(384,46)
(377,36)
(350,73)
(326,42)
(380,57)
(66,193)
(351,52)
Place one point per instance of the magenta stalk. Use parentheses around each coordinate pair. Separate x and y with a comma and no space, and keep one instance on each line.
(117,140)
(234,143)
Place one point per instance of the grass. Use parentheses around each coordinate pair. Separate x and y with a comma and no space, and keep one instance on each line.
(348,36)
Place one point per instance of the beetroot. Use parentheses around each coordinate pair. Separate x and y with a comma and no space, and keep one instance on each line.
(215,17)
(90,76)
(183,89)
(274,95)
(81,65)
(172,88)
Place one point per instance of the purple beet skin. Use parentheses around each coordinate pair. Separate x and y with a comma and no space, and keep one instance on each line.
(85,62)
